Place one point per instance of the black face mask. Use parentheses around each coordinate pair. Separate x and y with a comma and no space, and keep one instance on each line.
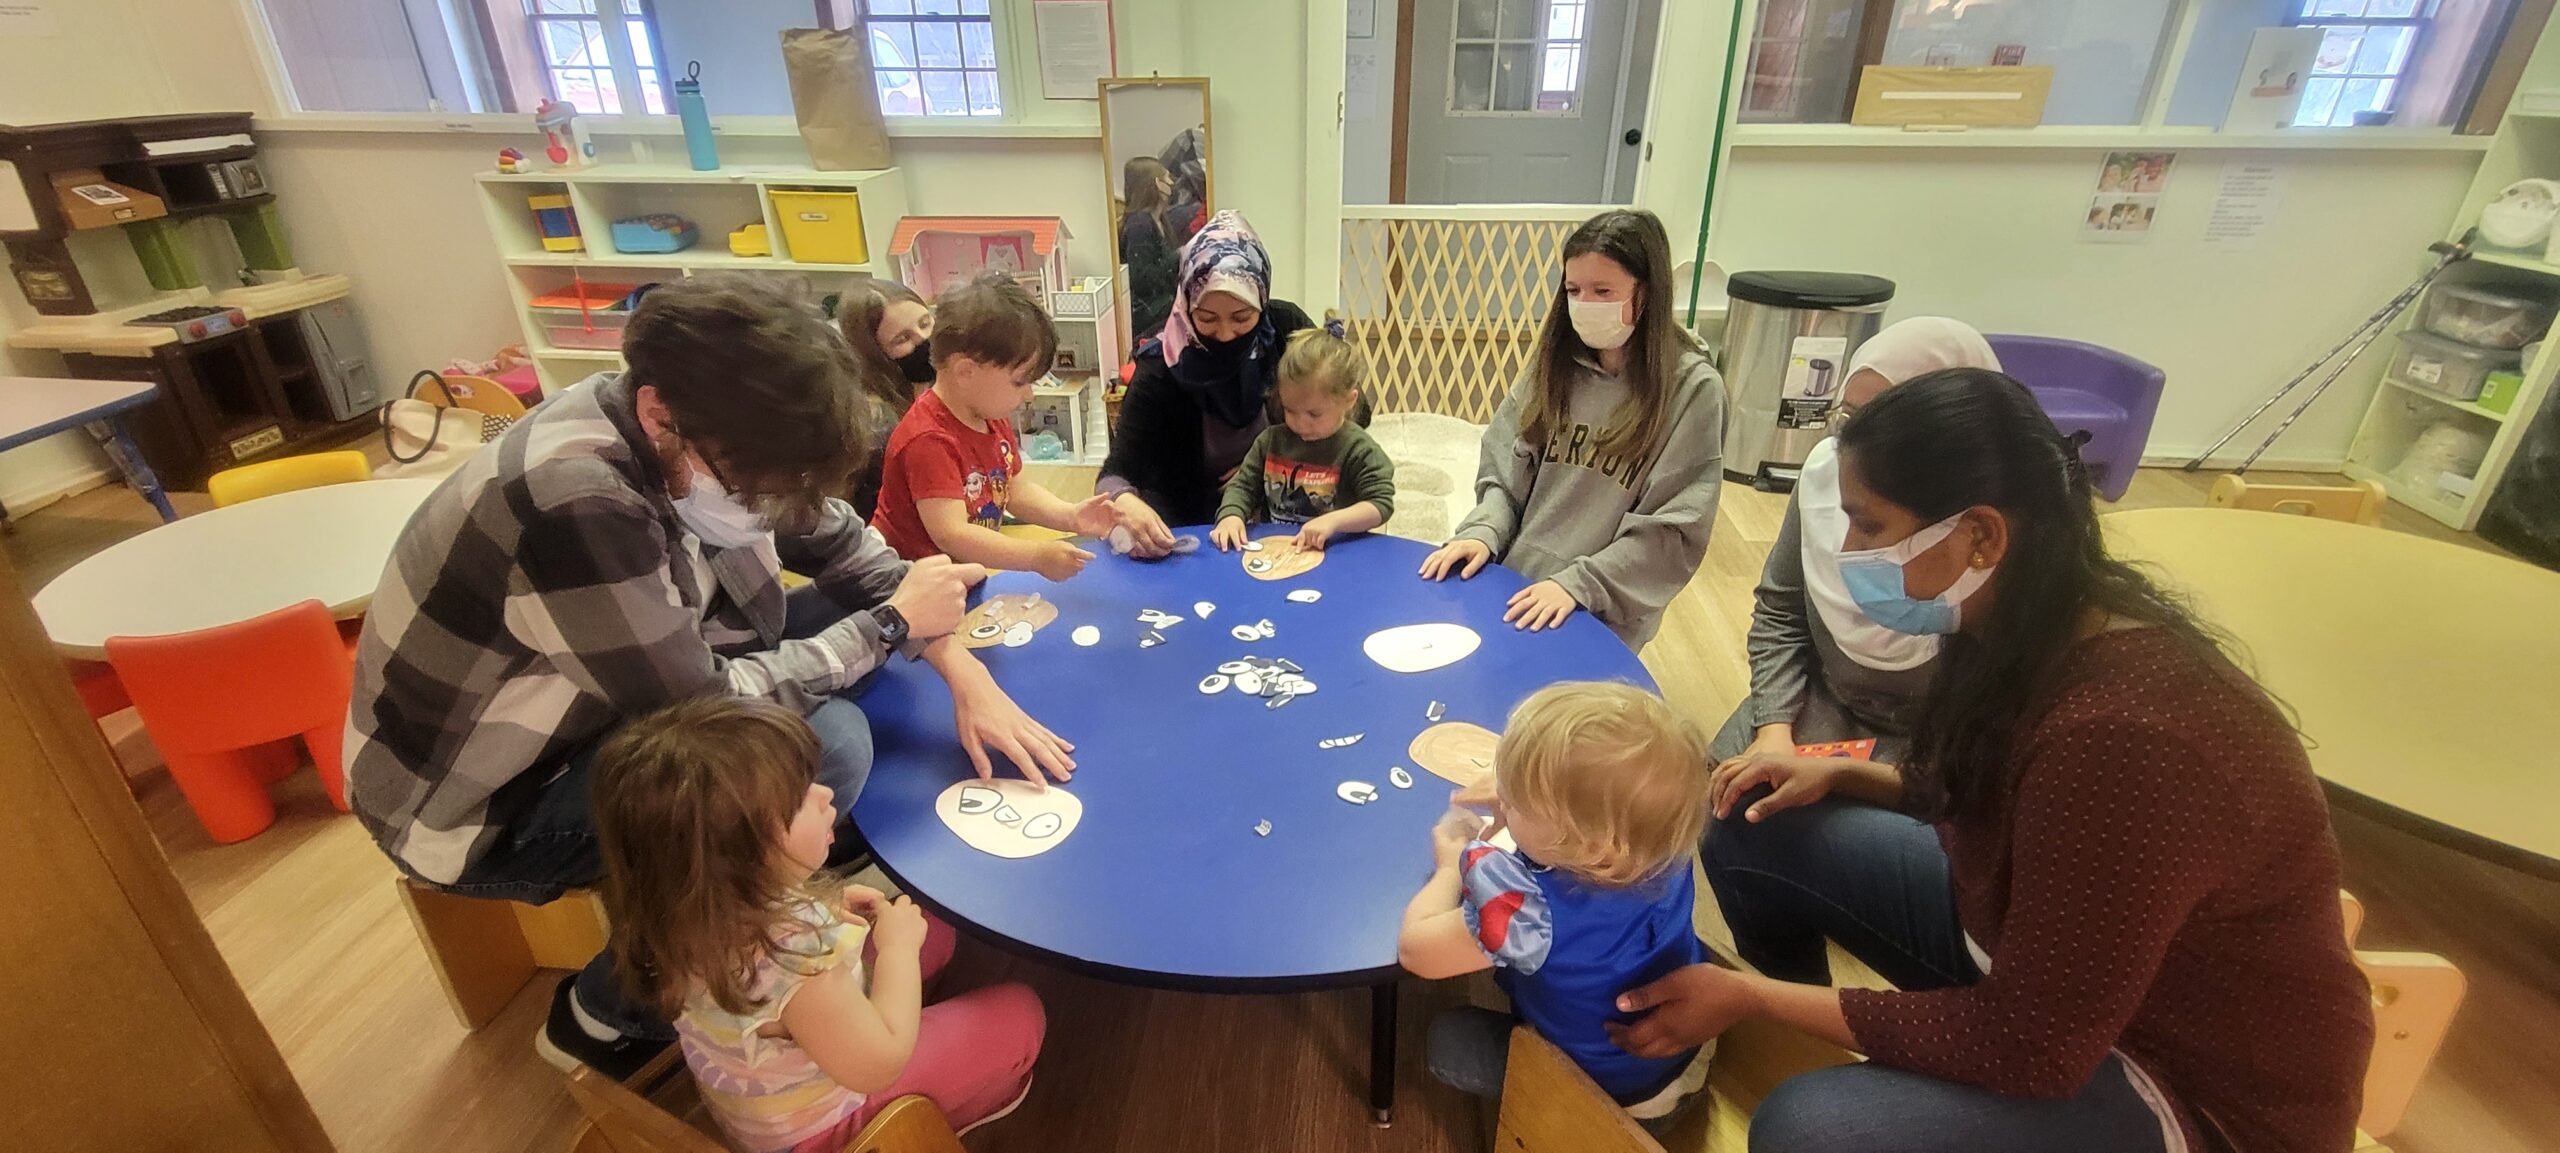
(918,365)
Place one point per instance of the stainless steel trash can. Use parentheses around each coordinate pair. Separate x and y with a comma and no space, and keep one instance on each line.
(1788,339)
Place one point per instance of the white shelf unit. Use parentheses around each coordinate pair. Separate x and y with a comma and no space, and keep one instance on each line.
(2526,144)
(717,202)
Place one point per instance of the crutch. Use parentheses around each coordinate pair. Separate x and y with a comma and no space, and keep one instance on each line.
(2448,253)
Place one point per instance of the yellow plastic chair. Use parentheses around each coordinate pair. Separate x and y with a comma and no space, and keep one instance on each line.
(2358,503)
(269,477)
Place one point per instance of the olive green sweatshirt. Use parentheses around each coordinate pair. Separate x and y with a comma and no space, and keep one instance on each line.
(1290,479)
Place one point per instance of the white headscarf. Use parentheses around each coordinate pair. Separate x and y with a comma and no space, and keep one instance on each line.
(1905,349)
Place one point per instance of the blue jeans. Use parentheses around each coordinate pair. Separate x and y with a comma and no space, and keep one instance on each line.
(1470,1050)
(552,848)
(1878,883)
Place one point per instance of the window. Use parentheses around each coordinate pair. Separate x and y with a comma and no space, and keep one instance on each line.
(934,57)
(2366,50)
(580,47)
(1804,56)
(1509,56)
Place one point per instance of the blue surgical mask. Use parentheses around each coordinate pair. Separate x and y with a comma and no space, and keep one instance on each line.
(716,517)
(1874,580)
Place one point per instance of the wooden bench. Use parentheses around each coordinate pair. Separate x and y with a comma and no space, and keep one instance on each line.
(484,952)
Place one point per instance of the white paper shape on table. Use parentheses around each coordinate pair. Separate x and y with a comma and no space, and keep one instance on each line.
(1007,817)
(1253,546)
(1262,828)
(1356,792)
(1202,609)
(1018,634)
(1150,639)
(1280,700)
(1158,618)
(1245,633)
(1231,668)
(1266,628)
(1213,684)
(1420,648)
(1399,778)
(987,631)
(1249,683)
(1086,636)
(1305,596)
(1340,742)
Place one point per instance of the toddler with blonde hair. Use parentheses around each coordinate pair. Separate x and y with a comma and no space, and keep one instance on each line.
(1602,791)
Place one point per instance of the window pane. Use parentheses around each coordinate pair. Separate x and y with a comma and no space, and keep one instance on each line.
(1475,19)
(572,6)
(978,41)
(890,7)
(565,42)
(2392,8)
(937,7)
(2102,49)
(2338,50)
(629,7)
(1564,21)
(974,7)
(1804,65)
(1515,78)
(1783,19)
(901,38)
(1471,79)
(652,94)
(640,44)
(945,94)
(2385,50)
(982,95)
(2318,98)
(1563,70)
(2334,8)
(578,87)
(1519,20)
(901,93)
(937,45)
(2365,94)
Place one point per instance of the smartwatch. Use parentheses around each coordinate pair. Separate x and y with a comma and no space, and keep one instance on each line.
(893,625)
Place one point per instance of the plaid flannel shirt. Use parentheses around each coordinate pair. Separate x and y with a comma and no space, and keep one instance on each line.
(547,589)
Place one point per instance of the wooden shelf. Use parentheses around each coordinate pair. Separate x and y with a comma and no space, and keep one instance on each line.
(232,205)
(2517,260)
(691,258)
(2447,401)
(2427,500)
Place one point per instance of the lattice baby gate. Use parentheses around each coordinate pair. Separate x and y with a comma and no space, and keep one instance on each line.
(1447,309)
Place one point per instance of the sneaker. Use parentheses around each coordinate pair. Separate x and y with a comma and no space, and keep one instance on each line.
(999,1114)
(567,1045)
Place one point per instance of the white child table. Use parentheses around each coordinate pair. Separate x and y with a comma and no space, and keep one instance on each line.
(230,564)
(35,407)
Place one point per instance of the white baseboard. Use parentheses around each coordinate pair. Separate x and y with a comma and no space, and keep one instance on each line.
(31,497)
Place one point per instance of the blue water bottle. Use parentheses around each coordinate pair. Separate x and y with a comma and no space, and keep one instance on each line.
(697,119)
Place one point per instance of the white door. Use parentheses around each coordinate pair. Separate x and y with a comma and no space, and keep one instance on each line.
(1527,101)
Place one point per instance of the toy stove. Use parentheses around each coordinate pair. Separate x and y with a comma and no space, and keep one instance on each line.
(195,321)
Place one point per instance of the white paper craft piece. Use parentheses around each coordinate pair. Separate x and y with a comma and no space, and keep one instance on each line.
(1202,609)
(1262,828)
(1267,629)
(1420,648)
(987,631)
(1341,742)
(1158,618)
(1253,546)
(1249,683)
(1007,817)
(1356,792)
(1086,636)
(1435,712)
(1231,668)
(1280,700)
(1150,639)
(1305,596)
(1400,778)
(1245,633)
(1213,684)
(1018,635)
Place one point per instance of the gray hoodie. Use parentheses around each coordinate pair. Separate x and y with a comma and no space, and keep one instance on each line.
(1623,537)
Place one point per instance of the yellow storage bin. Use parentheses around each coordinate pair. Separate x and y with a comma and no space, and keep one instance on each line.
(822,227)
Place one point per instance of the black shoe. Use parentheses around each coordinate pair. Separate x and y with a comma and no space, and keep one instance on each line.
(567,1044)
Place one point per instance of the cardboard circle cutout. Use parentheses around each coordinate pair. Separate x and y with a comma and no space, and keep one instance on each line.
(1009,818)
(1455,751)
(1280,559)
(1420,648)
(987,624)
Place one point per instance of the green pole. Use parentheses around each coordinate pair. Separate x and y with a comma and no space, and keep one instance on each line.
(1715,161)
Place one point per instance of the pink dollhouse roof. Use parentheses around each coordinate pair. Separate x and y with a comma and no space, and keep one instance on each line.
(1046,231)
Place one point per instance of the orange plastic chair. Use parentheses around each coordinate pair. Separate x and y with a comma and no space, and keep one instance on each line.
(214,700)
(268,477)
(100,692)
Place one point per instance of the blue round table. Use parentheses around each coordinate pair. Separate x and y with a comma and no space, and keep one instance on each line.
(1166,883)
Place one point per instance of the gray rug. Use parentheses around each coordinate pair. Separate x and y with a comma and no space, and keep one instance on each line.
(1435,459)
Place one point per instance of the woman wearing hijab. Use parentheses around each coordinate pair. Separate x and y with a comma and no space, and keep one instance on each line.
(1203,390)
(1821,671)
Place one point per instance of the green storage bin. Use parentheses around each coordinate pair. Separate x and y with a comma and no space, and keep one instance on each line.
(2498,391)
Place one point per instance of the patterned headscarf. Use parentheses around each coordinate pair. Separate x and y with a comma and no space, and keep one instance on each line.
(1232,379)
(1225,249)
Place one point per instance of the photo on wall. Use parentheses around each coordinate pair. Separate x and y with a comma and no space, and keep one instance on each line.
(2128,194)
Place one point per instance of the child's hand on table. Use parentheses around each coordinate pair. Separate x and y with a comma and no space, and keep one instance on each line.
(1229,535)
(898,926)
(1466,557)
(1058,559)
(1313,535)
(1540,606)
(1147,532)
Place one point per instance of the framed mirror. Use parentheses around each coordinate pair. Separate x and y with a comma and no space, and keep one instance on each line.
(1161,182)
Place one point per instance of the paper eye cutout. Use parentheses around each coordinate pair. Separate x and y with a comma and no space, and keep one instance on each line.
(1008,815)
(975,800)
(987,631)
(1044,825)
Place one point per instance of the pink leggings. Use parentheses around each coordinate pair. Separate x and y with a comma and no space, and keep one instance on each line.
(973,1052)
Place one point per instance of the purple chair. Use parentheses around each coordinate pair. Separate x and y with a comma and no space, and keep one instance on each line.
(2085,388)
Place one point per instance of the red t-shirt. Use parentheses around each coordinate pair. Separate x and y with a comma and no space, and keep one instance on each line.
(934,456)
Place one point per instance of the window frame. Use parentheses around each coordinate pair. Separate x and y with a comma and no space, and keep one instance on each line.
(1539,45)
(622,65)
(2420,22)
(959,22)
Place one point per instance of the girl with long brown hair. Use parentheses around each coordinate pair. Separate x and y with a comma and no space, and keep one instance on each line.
(890,329)
(799,1003)
(1601,470)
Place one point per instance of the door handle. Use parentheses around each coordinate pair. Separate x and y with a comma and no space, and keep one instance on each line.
(1633,136)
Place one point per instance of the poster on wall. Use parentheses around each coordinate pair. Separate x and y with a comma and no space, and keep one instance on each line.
(1075,47)
(2127,200)
(2273,79)
(2245,205)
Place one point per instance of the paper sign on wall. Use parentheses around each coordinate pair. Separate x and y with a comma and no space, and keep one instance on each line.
(2245,204)
(1075,47)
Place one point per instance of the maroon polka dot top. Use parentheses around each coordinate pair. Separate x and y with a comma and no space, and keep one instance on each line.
(2163,884)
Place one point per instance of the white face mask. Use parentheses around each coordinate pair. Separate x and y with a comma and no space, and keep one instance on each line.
(1602,324)
(717,517)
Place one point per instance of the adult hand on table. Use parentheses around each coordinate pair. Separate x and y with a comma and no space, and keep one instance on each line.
(987,718)
(1146,530)
(1094,517)
(1540,606)
(1465,556)
(1686,1008)
(935,595)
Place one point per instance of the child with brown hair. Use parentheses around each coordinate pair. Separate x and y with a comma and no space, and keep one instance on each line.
(953,469)
(1604,791)
(800,1010)
(1316,469)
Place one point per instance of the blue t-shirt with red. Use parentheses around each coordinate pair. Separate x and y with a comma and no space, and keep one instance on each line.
(1564,948)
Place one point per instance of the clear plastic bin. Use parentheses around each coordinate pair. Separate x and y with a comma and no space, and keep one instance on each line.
(2447,367)
(2485,317)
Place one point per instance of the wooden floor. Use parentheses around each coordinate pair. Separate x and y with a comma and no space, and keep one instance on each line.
(306,916)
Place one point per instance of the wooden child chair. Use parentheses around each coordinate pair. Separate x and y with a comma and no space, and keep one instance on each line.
(485,951)
(2414,998)
(659,1111)
(2358,503)
(268,477)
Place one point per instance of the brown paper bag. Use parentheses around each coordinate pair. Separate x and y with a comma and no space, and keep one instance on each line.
(833,95)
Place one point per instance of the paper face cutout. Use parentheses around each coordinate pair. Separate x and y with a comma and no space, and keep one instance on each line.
(1435,712)
(1340,742)
(1420,648)
(1262,828)
(1399,778)
(1007,817)
(1455,751)
(1202,609)
(1304,596)
(1279,558)
(993,623)
(1356,792)
(1086,636)
(1215,683)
